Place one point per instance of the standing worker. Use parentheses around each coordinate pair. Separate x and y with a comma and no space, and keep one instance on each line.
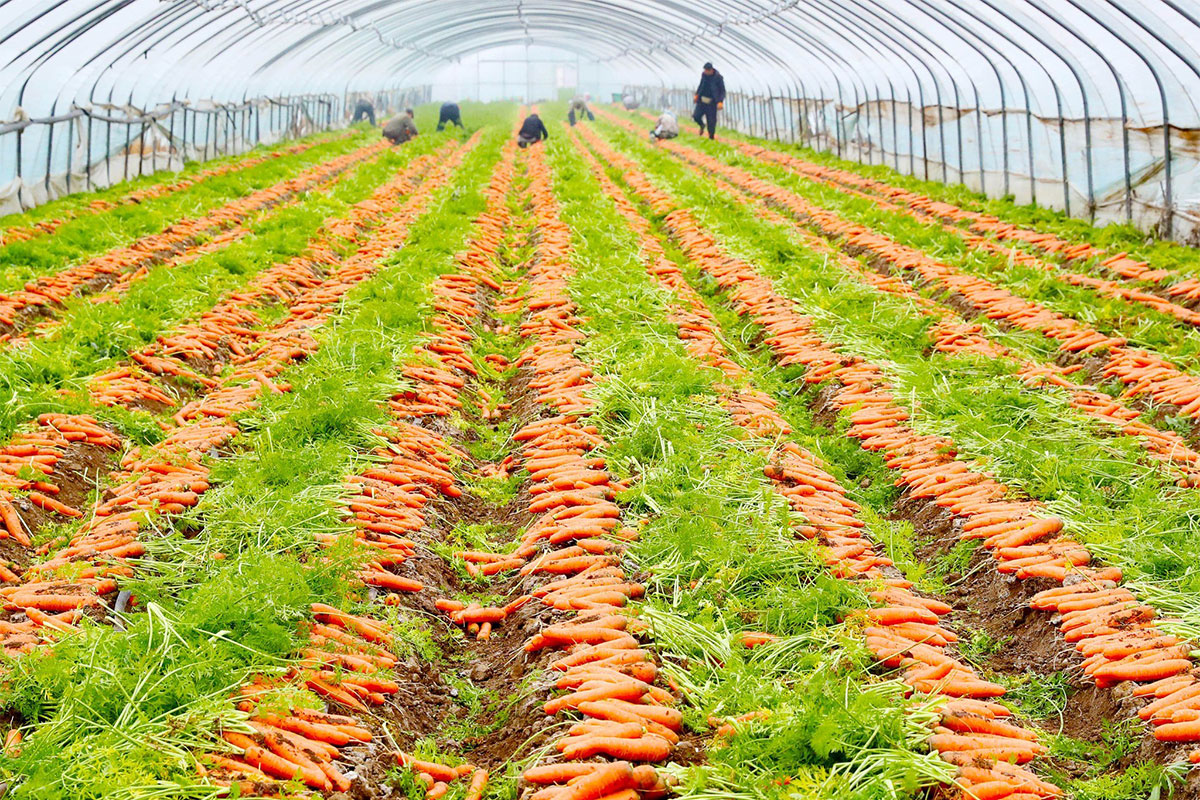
(449,113)
(364,110)
(710,96)
(532,130)
(400,128)
(667,127)
(579,105)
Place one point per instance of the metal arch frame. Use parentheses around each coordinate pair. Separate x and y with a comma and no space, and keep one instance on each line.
(1120,84)
(817,44)
(949,24)
(1162,93)
(837,41)
(1028,112)
(937,89)
(1166,126)
(938,94)
(1062,132)
(895,49)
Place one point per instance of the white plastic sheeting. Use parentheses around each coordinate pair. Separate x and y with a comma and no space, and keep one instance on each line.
(1113,84)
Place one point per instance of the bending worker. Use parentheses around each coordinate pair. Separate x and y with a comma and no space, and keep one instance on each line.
(532,130)
(710,96)
(364,110)
(667,127)
(579,105)
(449,113)
(400,128)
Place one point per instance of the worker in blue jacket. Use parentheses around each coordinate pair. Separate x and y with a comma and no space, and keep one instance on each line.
(710,96)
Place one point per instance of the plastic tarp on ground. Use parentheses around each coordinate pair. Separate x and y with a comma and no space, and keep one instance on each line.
(1088,101)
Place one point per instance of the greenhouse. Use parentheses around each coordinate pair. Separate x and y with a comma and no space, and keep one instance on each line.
(600,400)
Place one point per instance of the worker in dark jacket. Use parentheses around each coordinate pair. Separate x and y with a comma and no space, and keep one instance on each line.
(400,128)
(532,130)
(710,96)
(449,113)
(364,110)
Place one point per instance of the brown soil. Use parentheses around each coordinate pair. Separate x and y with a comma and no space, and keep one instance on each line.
(77,475)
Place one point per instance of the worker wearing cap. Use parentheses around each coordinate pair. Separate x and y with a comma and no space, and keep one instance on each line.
(400,128)
(710,96)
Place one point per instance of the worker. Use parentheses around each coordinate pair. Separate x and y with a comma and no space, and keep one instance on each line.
(449,113)
(364,110)
(667,127)
(709,97)
(532,130)
(629,101)
(579,106)
(400,128)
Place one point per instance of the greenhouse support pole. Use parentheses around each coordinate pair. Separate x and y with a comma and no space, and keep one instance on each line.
(141,148)
(1162,96)
(87,164)
(171,133)
(1057,95)
(108,150)
(1182,57)
(70,148)
(49,150)
(895,126)
(183,140)
(128,145)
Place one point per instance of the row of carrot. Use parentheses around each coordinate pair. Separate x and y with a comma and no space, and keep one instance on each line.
(905,631)
(229,329)
(1117,635)
(344,652)
(1172,282)
(385,508)
(951,334)
(576,538)
(45,227)
(46,293)
(1143,372)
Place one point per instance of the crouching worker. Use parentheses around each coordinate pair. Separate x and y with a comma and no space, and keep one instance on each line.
(532,130)
(400,128)
(449,113)
(667,127)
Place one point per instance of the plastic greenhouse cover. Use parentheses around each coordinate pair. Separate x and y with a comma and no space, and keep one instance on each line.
(1086,102)
(953,52)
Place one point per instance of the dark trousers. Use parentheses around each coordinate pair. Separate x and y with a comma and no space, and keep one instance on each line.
(706,115)
(364,112)
(586,110)
(443,118)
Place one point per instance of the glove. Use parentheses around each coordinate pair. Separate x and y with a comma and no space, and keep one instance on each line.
(720,105)
(695,98)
